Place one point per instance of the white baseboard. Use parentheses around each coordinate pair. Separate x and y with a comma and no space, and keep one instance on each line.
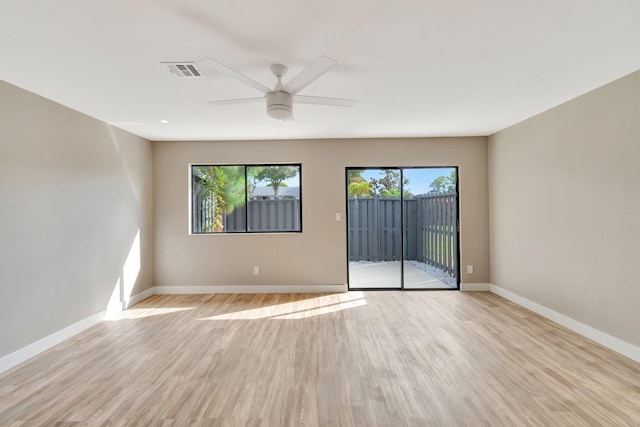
(13,359)
(472,287)
(629,350)
(249,289)
(134,299)
(119,306)
(9,361)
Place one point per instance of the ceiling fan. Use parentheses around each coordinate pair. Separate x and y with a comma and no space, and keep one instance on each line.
(281,98)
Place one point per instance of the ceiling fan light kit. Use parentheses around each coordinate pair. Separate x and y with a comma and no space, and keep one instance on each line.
(279,105)
(280,99)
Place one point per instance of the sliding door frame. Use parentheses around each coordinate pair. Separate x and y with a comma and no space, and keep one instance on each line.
(402,240)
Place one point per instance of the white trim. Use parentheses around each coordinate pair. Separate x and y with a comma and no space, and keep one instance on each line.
(472,287)
(128,302)
(13,359)
(25,353)
(134,299)
(9,361)
(615,344)
(249,289)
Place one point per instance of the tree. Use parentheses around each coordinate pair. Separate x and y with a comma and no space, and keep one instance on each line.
(252,180)
(355,175)
(389,184)
(392,193)
(359,189)
(276,175)
(444,184)
(223,186)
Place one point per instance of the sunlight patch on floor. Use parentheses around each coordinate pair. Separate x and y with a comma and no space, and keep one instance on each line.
(303,309)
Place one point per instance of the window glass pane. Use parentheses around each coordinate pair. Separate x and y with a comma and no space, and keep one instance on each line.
(219,199)
(374,213)
(430,228)
(274,198)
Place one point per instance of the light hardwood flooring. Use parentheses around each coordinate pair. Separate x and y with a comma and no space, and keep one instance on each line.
(438,358)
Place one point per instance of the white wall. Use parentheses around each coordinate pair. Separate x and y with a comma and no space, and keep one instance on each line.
(318,255)
(565,209)
(75,217)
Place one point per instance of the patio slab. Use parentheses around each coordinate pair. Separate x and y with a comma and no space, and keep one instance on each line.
(386,274)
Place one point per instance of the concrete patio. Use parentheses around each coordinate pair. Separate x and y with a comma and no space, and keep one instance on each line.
(387,274)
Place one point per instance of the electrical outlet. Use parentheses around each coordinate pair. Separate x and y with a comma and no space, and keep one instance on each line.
(469,269)
(338,216)
(256,270)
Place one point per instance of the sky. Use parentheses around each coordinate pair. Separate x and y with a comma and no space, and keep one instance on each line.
(419,178)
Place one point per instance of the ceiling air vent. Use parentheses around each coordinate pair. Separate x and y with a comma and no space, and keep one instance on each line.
(183,69)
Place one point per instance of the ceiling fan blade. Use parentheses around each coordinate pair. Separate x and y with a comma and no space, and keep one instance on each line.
(236,101)
(223,69)
(309,74)
(321,100)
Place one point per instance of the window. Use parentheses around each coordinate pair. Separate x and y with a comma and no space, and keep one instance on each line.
(245,198)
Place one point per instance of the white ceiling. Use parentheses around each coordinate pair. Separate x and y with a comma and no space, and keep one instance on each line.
(417,67)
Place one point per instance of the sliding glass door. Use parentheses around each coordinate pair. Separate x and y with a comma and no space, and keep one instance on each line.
(375,228)
(430,227)
(402,228)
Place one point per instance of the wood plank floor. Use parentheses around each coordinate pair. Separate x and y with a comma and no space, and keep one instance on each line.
(436,358)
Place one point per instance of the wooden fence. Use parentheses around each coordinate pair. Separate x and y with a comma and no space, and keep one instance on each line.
(264,216)
(430,230)
(375,225)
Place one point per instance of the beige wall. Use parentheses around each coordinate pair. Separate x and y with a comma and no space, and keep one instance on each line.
(74,193)
(565,208)
(318,255)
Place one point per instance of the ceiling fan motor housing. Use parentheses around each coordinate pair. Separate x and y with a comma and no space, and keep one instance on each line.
(279,105)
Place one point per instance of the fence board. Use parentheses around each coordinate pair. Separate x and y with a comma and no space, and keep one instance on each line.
(374,226)
(264,215)
(430,230)
(411,237)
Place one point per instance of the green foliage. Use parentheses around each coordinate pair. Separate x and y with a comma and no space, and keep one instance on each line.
(274,175)
(224,187)
(392,193)
(252,180)
(354,175)
(359,189)
(444,184)
(389,184)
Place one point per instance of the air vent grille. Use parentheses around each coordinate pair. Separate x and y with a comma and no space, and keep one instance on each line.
(183,69)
